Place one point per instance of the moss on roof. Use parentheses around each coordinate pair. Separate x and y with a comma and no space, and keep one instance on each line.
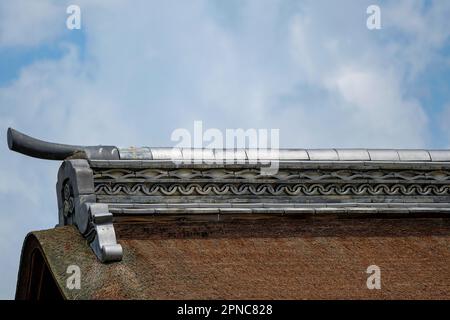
(299,265)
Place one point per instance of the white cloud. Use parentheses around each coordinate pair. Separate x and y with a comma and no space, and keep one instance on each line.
(29,23)
(310,68)
(374,104)
(444,118)
(421,29)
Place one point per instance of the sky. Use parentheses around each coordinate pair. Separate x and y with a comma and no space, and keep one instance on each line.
(136,71)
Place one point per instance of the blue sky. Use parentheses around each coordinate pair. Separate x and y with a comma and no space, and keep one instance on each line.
(135,73)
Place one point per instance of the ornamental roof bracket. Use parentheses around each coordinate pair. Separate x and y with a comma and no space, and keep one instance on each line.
(77,205)
(99,184)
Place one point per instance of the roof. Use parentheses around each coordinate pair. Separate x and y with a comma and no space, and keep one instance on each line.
(300,259)
(158,223)
(22,143)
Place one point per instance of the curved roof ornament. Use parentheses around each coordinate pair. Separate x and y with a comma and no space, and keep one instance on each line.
(36,148)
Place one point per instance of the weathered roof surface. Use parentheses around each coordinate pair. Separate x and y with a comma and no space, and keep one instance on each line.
(262,259)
